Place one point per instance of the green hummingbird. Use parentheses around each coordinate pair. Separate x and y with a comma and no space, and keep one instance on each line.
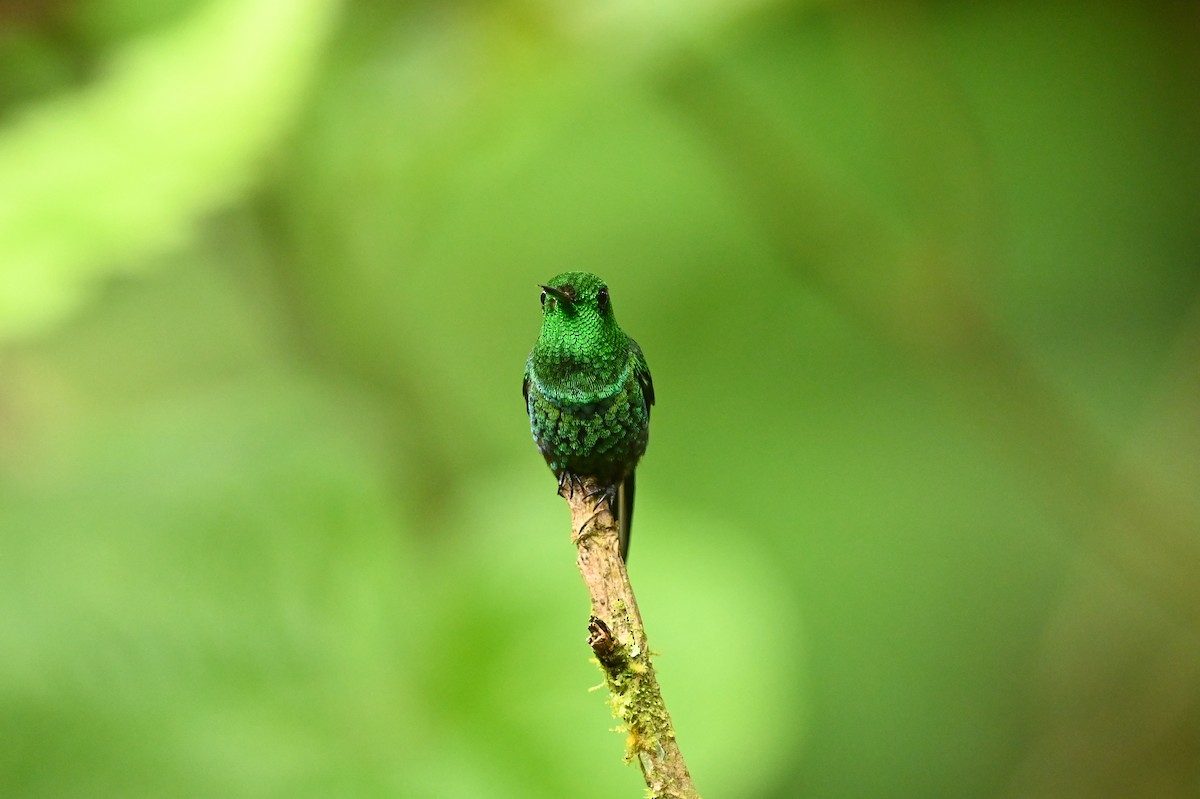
(588,393)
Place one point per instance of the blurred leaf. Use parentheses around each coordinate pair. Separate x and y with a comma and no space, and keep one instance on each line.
(94,181)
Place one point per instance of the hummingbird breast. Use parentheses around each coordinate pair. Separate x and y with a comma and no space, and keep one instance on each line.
(598,431)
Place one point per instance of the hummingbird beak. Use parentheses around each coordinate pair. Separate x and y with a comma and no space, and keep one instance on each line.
(563,294)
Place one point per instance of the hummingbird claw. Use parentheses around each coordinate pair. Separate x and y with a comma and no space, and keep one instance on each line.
(607,494)
(569,481)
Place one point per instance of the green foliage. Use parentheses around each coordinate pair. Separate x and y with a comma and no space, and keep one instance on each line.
(100,178)
(918,288)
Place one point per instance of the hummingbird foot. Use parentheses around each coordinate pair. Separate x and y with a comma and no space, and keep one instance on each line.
(567,483)
(607,494)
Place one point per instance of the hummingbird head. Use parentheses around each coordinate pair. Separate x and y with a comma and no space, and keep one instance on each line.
(577,315)
(577,294)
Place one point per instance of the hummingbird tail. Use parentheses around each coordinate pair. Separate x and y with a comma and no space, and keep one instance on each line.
(625,513)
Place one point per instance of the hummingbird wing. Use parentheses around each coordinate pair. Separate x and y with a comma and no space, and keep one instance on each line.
(626,490)
(525,382)
(642,372)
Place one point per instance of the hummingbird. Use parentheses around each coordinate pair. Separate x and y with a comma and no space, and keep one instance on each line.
(588,393)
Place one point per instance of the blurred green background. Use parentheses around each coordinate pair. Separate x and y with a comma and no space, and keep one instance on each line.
(919,286)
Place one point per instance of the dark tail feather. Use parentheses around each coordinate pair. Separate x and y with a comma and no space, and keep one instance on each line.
(625,513)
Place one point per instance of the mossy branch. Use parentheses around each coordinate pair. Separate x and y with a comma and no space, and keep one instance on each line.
(618,639)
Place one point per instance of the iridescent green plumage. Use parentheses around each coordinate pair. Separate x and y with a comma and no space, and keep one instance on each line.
(588,391)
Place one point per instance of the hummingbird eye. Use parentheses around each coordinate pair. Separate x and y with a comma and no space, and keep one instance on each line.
(602,298)
(543,299)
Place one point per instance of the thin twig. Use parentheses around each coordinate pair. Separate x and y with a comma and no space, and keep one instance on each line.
(618,639)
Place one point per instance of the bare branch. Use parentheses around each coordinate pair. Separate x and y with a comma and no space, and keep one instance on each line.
(618,639)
